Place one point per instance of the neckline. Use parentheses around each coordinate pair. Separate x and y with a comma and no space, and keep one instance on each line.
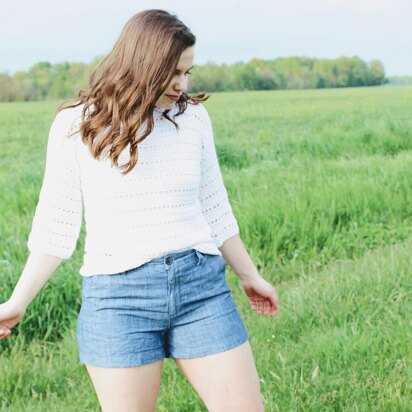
(161,110)
(158,109)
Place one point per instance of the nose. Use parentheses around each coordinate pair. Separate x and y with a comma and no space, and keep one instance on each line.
(180,84)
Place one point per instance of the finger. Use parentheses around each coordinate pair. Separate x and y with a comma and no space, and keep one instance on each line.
(274,301)
(267,307)
(274,308)
(264,307)
(5,335)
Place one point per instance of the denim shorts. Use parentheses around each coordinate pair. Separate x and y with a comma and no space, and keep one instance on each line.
(175,306)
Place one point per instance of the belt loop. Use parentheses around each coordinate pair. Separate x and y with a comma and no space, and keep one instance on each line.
(200,257)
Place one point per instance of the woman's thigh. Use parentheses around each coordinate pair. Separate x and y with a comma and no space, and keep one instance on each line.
(127,389)
(226,381)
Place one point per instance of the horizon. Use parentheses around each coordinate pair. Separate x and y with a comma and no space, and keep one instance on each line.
(212,62)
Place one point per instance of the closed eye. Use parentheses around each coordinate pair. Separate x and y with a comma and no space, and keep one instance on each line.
(188,72)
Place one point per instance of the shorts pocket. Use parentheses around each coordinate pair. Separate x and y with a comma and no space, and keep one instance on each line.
(219,261)
(217,270)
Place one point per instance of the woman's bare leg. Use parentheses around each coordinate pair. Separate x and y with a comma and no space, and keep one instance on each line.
(132,389)
(226,381)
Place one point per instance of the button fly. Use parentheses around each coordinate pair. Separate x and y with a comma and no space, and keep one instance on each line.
(169,260)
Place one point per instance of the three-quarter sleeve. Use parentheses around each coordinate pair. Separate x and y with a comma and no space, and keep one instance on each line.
(58,215)
(214,199)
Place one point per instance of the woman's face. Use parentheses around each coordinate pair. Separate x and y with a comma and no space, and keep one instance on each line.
(179,82)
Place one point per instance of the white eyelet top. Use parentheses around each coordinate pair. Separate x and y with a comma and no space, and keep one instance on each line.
(173,199)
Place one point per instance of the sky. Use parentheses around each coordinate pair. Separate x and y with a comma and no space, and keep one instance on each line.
(227,31)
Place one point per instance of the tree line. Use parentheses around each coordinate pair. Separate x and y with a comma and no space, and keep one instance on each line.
(400,80)
(45,81)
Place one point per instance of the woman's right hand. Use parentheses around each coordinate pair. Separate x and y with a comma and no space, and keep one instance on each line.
(10,315)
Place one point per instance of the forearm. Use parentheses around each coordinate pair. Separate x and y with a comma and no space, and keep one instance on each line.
(237,257)
(37,271)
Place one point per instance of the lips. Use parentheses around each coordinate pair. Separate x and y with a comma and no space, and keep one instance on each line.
(173,97)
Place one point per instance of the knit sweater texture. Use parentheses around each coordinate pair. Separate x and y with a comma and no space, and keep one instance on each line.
(174,198)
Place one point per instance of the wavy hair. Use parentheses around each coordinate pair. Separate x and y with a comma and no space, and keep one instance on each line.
(124,87)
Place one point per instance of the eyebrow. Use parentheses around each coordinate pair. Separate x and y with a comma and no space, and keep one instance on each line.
(178,70)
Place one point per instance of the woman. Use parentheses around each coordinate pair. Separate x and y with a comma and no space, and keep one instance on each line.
(138,153)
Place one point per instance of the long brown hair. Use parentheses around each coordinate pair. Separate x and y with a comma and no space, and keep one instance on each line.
(126,84)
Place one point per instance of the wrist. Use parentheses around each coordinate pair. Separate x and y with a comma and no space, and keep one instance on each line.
(248,276)
(18,303)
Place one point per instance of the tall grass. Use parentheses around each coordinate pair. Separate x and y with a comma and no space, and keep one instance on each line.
(320,181)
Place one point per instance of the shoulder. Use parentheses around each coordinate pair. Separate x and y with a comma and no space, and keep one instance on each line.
(63,132)
(199,112)
(68,114)
(68,120)
(198,109)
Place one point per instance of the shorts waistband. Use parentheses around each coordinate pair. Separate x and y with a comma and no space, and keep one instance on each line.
(169,258)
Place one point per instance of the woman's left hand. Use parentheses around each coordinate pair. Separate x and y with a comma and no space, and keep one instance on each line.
(262,295)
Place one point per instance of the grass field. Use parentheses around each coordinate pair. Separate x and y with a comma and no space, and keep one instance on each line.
(321,184)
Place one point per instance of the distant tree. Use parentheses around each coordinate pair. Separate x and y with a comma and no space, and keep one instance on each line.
(400,80)
(42,76)
(376,73)
(264,73)
(25,86)
(7,88)
(210,76)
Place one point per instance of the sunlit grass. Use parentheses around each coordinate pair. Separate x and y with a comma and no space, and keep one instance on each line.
(320,181)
